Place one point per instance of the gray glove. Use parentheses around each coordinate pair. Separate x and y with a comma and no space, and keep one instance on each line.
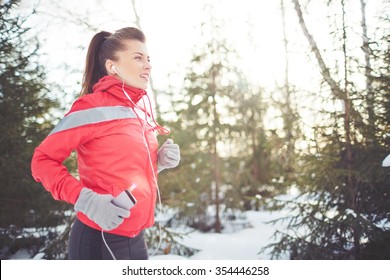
(98,208)
(168,156)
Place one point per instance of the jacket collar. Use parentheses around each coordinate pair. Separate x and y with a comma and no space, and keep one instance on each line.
(113,86)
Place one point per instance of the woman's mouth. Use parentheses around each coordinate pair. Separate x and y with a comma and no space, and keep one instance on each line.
(145,76)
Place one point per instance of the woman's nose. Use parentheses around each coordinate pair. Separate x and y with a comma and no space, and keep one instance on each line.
(148,65)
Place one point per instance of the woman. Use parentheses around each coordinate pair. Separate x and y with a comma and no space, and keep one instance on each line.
(116,148)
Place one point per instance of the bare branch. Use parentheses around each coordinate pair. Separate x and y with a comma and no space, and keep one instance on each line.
(336,90)
(138,24)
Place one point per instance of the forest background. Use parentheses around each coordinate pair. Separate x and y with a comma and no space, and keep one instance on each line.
(262,97)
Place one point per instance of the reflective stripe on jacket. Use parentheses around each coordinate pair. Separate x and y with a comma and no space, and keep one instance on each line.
(113,146)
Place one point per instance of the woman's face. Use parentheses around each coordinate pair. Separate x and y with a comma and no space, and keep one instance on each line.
(132,65)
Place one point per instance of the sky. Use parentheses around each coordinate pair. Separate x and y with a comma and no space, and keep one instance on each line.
(175,29)
(172,28)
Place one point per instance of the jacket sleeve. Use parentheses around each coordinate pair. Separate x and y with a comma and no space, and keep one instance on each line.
(47,162)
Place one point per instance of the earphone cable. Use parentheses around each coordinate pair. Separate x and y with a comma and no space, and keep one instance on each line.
(150,162)
(108,247)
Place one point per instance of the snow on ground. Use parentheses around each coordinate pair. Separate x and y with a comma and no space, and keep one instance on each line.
(236,242)
(244,244)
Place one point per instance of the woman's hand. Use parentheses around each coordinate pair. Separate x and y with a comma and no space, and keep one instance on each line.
(100,209)
(168,156)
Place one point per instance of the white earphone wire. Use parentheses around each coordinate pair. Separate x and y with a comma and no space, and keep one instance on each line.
(151,166)
(108,247)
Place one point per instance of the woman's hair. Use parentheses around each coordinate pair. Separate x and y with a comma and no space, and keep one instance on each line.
(104,45)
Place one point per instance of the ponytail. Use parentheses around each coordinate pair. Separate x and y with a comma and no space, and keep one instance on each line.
(94,70)
(103,46)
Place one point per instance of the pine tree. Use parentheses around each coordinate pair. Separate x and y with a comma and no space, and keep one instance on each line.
(342,212)
(203,126)
(252,167)
(24,110)
(265,163)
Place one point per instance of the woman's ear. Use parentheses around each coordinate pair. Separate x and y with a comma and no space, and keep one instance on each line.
(110,67)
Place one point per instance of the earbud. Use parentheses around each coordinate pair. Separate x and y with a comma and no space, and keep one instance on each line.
(113,68)
(116,71)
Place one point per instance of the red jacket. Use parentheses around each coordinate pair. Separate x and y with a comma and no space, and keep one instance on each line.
(107,132)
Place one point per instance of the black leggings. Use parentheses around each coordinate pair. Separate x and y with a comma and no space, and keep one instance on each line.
(86,243)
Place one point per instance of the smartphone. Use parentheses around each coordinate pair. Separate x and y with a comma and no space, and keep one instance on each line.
(125,200)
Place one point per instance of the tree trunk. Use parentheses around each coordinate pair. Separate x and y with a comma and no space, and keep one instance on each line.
(155,92)
(324,69)
(217,175)
(288,115)
(341,94)
(367,56)
(255,163)
(347,127)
